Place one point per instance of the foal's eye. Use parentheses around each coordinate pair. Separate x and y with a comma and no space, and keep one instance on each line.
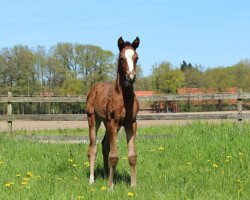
(122,60)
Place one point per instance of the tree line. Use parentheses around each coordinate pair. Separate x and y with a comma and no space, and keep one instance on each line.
(65,68)
(71,69)
(167,79)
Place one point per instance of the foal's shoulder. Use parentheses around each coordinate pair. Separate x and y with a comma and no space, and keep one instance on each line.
(99,88)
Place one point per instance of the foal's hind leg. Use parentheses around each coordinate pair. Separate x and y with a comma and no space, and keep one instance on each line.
(93,128)
(105,153)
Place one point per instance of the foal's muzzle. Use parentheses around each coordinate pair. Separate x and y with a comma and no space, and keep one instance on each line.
(130,78)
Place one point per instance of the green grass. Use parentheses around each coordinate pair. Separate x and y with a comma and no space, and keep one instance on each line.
(77,131)
(196,161)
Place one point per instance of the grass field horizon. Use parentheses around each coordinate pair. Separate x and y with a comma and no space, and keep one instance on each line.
(197,161)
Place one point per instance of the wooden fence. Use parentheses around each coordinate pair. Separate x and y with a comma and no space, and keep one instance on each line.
(239,115)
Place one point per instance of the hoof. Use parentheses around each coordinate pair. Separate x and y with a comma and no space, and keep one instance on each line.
(91,180)
(133,185)
(111,188)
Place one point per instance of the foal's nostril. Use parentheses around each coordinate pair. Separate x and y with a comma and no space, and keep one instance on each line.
(131,76)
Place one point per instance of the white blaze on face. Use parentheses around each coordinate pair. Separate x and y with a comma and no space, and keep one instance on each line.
(129,56)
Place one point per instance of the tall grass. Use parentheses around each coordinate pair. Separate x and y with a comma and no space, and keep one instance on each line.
(197,161)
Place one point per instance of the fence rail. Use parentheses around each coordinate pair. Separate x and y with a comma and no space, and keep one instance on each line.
(151,116)
(82,99)
(166,116)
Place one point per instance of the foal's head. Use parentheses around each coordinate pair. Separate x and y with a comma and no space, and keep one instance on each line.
(127,60)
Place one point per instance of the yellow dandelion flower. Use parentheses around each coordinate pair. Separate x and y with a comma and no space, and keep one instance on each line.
(208,160)
(229,157)
(161,148)
(241,154)
(29,174)
(24,183)
(227,160)
(1,162)
(189,163)
(20,187)
(11,183)
(7,185)
(103,188)
(28,187)
(70,160)
(87,164)
(239,181)
(92,190)
(215,166)
(74,165)
(125,158)
(130,194)
(80,197)
(18,175)
(75,178)
(26,178)
(59,178)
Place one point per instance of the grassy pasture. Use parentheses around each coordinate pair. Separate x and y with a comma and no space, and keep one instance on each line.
(196,161)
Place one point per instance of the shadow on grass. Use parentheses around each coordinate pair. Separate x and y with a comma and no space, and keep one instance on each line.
(119,177)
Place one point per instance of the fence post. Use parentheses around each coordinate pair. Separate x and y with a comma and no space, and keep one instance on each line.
(9,112)
(188,103)
(239,105)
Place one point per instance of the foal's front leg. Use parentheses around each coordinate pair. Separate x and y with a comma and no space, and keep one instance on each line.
(113,154)
(132,156)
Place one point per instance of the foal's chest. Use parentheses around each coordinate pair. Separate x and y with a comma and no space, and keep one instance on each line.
(121,110)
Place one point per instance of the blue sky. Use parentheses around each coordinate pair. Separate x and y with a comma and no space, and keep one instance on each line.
(209,32)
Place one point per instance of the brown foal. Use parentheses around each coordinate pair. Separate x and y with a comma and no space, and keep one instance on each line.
(116,105)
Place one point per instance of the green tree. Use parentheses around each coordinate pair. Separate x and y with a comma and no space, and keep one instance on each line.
(7,71)
(74,68)
(241,75)
(142,83)
(166,79)
(18,70)
(219,78)
(95,64)
(194,77)
(185,66)
(40,67)
(54,74)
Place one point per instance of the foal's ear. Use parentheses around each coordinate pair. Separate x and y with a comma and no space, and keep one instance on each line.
(136,43)
(120,43)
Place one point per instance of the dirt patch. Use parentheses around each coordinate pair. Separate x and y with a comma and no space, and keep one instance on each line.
(53,125)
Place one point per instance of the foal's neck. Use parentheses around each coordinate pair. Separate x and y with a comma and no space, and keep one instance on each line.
(126,91)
